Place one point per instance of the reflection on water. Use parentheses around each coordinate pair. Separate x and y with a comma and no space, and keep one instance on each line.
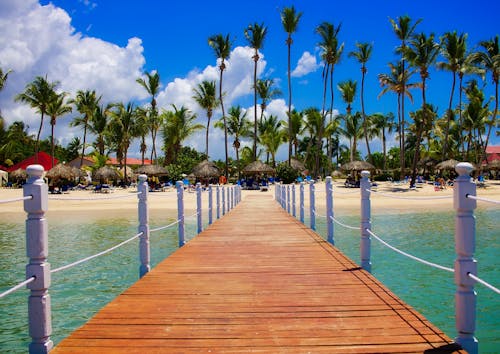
(79,292)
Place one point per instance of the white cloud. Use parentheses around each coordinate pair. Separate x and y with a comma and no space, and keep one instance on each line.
(40,41)
(306,64)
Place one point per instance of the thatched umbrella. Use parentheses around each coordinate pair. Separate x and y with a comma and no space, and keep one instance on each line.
(18,174)
(493,165)
(297,165)
(357,166)
(60,172)
(447,165)
(206,169)
(151,170)
(258,167)
(106,172)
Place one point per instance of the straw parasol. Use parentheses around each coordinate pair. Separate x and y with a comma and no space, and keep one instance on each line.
(106,172)
(18,174)
(357,166)
(61,171)
(151,170)
(493,165)
(297,165)
(447,165)
(206,169)
(257,167)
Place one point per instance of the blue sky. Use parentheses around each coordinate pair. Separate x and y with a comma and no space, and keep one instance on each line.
(105,45)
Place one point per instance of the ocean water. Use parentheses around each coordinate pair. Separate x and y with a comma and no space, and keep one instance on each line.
(80,292)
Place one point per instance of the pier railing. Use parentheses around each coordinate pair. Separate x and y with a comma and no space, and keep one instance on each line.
(465,267)
(38,271)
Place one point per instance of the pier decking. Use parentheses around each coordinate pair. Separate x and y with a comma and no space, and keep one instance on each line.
(257,280)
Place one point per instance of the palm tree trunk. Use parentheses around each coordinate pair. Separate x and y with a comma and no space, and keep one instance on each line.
(460,119)
(445,143)
(226,171)
(492,124)
(416,156)
(384,149)
(83,145)
(289,43)
(256,58)
(365,128)
(329,138)
(52,144)
(38,138)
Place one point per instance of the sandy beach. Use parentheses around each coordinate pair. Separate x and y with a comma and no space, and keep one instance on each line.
(386,198)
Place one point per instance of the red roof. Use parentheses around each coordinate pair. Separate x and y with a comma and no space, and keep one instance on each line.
(493,150)
(44,159)
(130,161)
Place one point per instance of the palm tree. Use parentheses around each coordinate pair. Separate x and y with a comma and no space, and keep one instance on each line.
(297,122)
(290,21)
(255,35)
(383,123)
(352,130)
(403,28)
(142,117)
(152,86)
(238,126)
(348,92)
(362,55)
(3,79)
(178,126)
(98,126)
(266,92)
(272,136)
(222,49)
(17,143)
(331,53)
(125,128)
(315,126)
(421,53)
(38,94)
(56,108)
(86,103)
(454,50)
(205,95)
(489,59)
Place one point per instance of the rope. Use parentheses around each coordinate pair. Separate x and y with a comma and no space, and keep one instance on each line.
(409,198)
(480,281)
(165,227)
(97,198)
(482,199)
(15,199)
(409,255)
(17,287)
(337,191)
(95,255)
(344,225)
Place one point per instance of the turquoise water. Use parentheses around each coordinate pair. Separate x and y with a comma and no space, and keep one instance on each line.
(79,292)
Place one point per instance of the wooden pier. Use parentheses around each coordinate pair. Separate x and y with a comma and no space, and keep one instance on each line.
(257,280)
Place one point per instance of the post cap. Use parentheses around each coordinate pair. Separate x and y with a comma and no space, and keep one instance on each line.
(365,173)
(35,171)
(464,168)
(143,178)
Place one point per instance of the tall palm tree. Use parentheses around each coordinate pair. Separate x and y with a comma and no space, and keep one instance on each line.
(255,35)
(489,59)
(238,126)
(362,55)
(38,94)
(266,91)
(206,96)
(348,92)
(403,28)
(383,123)
(421,53)
(152,86)
(352,130)
(315,126)
(86,103)
(290,21)
(271,136)
(98,126)
(297,122)
(454,50)
(179,125)
(142,120)
(57,108)
(331,53)
(222,49)
(124,125)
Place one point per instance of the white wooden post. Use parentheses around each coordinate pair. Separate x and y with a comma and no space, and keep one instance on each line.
(301,202)
(465,264)
(312,207)
(210,205)
(293,201)
(229,198)
(276,194)
(144,247)
(283,196)
(365,247)
(329,209)
(198,207)
(223,200)
(217,206)
(37,250)
(288,201)
(180,212)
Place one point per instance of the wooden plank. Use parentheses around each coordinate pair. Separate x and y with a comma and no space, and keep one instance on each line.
(257,280)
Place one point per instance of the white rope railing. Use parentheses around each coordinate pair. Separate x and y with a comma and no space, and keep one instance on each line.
(492,201)
(409,198)
(17,287)
(95,255)
(345,225)
(482,282)
(97,198)
(5,201)
(409,255)
(351,192)
(166,226)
